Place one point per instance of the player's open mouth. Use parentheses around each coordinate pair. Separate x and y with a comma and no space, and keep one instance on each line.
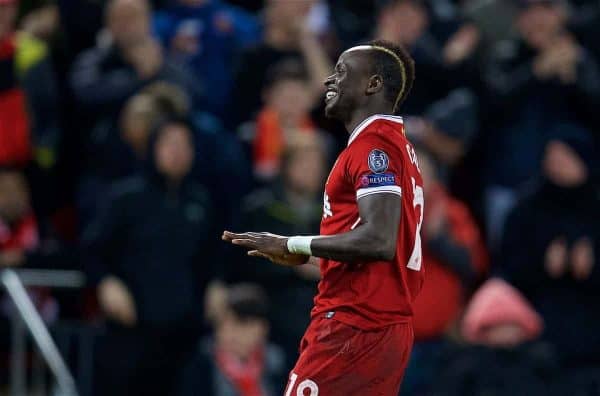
(330,95)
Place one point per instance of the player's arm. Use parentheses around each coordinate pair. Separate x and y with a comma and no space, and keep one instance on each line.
(373,240)
(376,179)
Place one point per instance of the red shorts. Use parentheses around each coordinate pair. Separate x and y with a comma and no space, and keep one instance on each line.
(340,360)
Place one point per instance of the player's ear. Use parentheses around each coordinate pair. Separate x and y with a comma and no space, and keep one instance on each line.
(375,84)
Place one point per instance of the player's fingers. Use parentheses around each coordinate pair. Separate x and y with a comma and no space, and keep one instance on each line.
(230,238)
(256,234)
(228,235)
(249,243)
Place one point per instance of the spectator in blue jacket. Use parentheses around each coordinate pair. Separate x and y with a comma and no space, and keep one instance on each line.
(206,35)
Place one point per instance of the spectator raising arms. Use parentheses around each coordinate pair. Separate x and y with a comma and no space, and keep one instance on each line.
(550,248)
(544,83)
(105,76)
(544,334)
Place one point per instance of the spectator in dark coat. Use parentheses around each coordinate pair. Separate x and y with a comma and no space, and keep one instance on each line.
(238,360)
(551,250)
(447,127)
(103,78)
(120,146)
(292,205)
(162,100)
(584,19)
(546,82)
(149,253)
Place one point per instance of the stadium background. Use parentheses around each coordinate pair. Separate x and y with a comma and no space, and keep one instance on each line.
(132,132)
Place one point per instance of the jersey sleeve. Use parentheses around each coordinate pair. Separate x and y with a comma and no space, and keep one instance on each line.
(375,167)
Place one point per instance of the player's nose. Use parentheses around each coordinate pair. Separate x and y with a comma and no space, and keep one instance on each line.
(329,80)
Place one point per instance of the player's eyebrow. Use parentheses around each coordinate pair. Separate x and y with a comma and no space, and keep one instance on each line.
(340,63)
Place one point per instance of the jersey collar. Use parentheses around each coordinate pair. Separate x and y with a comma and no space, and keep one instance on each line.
(361,127)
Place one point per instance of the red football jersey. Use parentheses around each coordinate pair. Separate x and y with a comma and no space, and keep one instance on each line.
(378,160)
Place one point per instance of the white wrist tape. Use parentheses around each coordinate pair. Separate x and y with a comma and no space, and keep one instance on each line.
(300,245)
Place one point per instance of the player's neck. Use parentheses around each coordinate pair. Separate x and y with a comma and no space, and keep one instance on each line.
(362,114)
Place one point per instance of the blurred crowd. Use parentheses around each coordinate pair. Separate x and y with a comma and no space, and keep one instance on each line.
(132,132)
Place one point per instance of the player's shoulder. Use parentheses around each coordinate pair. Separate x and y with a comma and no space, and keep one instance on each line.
(383,129)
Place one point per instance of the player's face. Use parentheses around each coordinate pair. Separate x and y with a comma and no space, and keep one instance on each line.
(346,86)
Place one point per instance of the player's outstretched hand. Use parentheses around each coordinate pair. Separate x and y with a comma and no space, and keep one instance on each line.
(288,260)
(266,245)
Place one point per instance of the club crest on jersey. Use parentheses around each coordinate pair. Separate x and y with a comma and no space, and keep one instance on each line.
(378,161)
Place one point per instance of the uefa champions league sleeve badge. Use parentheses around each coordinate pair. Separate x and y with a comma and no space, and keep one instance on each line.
(378,161)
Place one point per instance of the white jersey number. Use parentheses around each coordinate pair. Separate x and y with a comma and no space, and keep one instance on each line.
(416,257)
(302,386)
(326,207)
